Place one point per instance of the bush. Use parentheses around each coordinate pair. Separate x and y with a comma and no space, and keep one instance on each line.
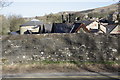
(4,25)
(15,21)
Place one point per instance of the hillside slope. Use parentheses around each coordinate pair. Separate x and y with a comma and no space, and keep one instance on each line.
(113,7)
(99,12)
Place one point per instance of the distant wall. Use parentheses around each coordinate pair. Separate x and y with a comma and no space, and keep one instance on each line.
(61,47)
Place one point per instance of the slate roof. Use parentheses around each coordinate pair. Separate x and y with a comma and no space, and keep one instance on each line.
(79,26)
(33,22)
(109,28)
(85,22)
(61,27)
(94,30)
(75,27)
(67,27)
(15,33)
(104,21)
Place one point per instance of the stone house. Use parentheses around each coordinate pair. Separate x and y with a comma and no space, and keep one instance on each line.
(34,27)
(90,24)
(94,26)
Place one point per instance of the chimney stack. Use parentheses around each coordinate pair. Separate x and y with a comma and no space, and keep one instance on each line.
(69,18)
(62,18)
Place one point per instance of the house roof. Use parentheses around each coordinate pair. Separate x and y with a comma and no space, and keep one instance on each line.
(104,21)
(62,27)
(85,22)
(81,26)
(15,33)
(94,30)
(33,22)
(68,27)
(75,27)
(109,28)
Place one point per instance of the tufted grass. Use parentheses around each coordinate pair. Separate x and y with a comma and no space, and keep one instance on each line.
(60,66)
(74,62)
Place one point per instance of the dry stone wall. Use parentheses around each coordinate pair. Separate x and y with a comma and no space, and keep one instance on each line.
(60,47)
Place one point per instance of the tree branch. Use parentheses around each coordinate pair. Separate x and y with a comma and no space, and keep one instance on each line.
(4,3)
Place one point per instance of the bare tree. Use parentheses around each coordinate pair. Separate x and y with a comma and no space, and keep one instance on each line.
(5,3)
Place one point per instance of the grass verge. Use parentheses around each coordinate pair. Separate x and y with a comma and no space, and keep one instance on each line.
(61,66)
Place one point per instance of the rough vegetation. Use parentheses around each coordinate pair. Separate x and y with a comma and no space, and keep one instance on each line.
(102,12)
(73,48)
(10,23)
(61,47)
(58,52)
(54,67)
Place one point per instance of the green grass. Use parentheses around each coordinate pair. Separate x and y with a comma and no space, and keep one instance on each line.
(73,62)
(45,62)
(58,66)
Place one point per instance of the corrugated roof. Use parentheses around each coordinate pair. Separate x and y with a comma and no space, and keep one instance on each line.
(32,23)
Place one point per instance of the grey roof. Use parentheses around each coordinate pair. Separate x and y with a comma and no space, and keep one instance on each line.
(104,21)
(78,26)
(65,27)
(32,23)
(14,33)
(109,28)
(85,22)
(94,30)
(62,27)
(75,26)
